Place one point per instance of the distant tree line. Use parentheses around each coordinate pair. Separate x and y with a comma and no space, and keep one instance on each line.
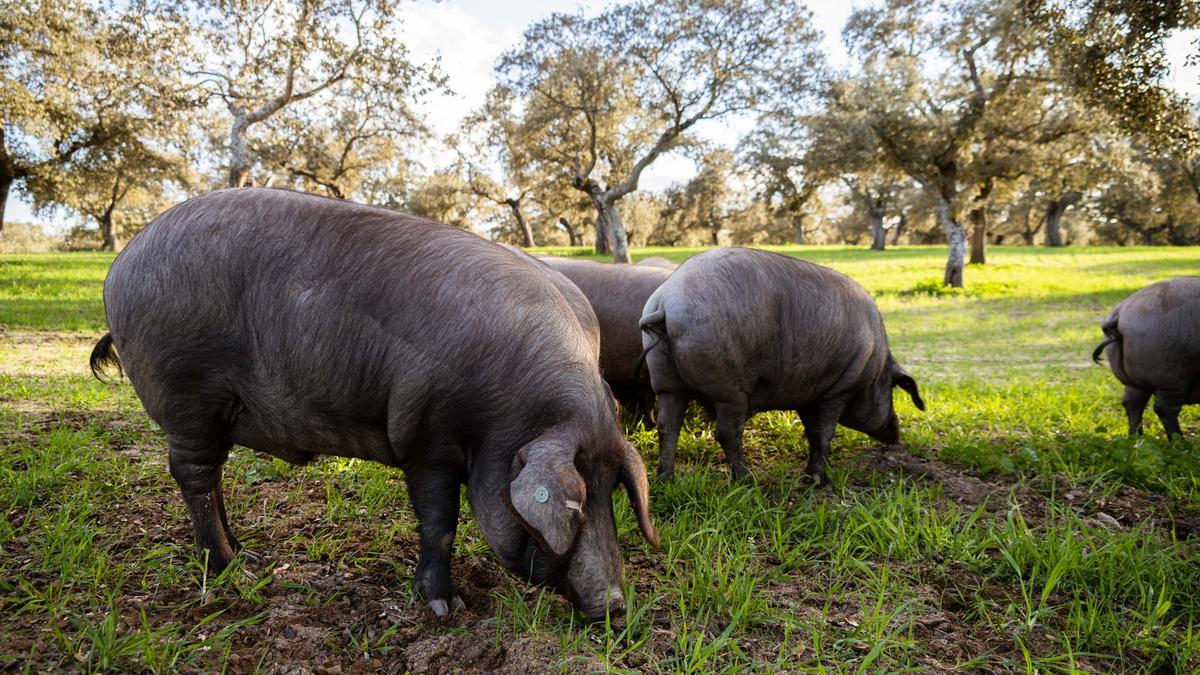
(967,123)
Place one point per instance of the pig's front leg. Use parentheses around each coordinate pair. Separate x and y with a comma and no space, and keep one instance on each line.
(820,421)
(434,491)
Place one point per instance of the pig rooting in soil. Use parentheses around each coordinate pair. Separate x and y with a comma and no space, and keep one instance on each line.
(299,326)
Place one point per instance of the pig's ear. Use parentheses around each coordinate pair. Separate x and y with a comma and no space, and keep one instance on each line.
(548,495)
(907,383)
(633,477)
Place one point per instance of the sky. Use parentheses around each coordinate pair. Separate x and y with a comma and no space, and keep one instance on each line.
(468,35)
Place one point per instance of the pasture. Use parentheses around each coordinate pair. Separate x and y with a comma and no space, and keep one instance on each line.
(1018,528)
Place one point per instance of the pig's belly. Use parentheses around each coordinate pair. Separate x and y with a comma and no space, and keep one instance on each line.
(301,441)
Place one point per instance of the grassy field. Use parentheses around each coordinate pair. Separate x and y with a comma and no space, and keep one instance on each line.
(1019,529)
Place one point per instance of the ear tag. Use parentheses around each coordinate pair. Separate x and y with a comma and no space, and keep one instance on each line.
(541,494)
(573,505)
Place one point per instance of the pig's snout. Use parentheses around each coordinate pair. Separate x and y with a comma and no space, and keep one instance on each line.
(890,432)
(613,606)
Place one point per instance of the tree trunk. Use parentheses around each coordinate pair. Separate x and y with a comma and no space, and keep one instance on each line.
(979,224)
(878,235)
(716,236)
(6,182)
(609,220)
(571,235)
(979,236)
(601,239)
(798,228)
(8,174)
(898,229)
(108,228)
(1054,214)
(956,241)
(526,230)
(239,153)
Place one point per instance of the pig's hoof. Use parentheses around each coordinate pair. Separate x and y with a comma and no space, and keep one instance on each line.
(665,472)
(442,609)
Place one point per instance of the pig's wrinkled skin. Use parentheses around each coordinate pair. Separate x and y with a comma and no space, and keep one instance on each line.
(1152,341)
(743,331)
(571,293)
(617,294)
(298,326)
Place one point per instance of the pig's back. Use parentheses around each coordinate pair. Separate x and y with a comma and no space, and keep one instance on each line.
(325,320)
(789,330)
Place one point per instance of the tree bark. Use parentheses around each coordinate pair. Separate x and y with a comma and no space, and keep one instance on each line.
(609,220)
(875,212)
(6,182)
(979,224)
(1054,214)
(571,235)
(602,247)
(239,153)
(798,228)
(108,228)
(956,241)
(898,229)
(526,230)
(978,236)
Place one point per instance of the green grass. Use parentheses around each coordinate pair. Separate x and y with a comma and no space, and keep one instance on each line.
(990,545)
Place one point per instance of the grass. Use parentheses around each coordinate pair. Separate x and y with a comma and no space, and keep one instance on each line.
(1020,530)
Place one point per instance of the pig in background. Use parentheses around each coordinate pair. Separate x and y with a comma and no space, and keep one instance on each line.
(743,331)
(617,294)
(298,325)
(571,293)
(1152,341)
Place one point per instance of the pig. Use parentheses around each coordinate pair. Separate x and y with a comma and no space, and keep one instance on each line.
(1152,341)
(617,293)
(742,331)
(658,261)
(571,293)
(298,325)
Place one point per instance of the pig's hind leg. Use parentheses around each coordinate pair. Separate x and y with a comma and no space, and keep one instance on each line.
(434,491)
(672,406)
(1167,404)
(196,467)
(731,422)
(1135,405)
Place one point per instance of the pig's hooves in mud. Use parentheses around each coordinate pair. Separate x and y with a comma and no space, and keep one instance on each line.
(442,609)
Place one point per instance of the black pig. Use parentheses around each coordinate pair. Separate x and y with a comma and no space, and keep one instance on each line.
(298,326)
(1152,340)
(743,331)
